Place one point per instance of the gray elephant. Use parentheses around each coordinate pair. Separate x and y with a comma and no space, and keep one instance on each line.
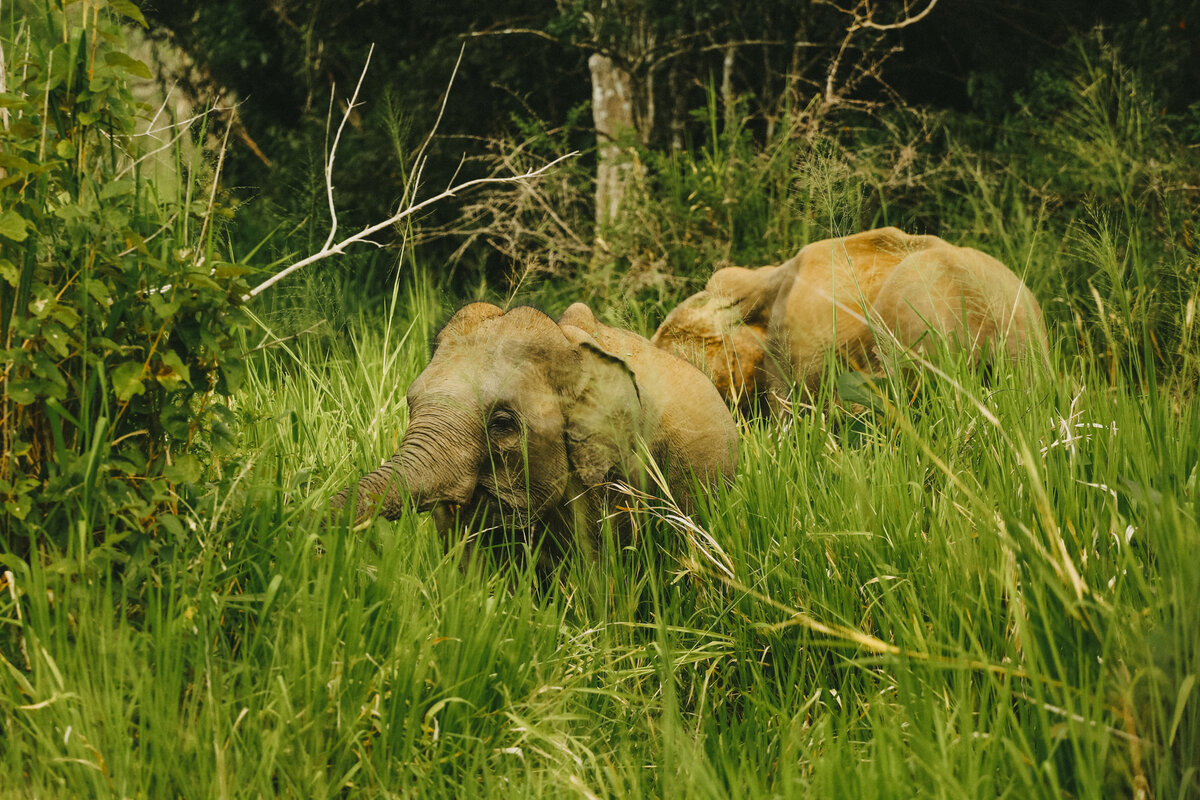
(520,424)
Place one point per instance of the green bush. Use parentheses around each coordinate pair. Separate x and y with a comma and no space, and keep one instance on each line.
(118,318)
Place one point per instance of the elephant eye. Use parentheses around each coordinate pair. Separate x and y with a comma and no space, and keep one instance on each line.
(502,423)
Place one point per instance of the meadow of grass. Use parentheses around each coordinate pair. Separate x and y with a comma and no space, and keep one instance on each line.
(988,591)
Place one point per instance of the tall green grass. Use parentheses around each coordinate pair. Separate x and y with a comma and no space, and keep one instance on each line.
(990,592)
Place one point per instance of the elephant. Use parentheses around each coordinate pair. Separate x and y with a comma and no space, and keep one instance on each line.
(760,332)
(519,426)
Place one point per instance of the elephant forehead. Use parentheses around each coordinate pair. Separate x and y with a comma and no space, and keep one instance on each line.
(489,372)
(501,358)
(702,314)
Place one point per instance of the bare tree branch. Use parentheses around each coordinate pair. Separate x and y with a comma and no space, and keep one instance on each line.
(904,23)
(409,208)
(863,19)
(333,225)
(414,177)
(361,236)
(511,31)
(652,58)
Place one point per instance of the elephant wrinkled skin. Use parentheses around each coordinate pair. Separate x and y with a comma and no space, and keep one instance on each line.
(763,331)
(519,421)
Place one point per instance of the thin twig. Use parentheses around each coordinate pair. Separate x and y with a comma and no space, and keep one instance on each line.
(212,197)
(170,221)
(418,169)
(904,23)
(333,224)
(863,20)
(326,252)
(3,88)
(511,31)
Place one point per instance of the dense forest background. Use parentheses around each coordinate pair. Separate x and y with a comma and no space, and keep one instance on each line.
(914,78)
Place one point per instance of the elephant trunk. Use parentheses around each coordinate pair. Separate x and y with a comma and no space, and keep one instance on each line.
(438,461)
(382,491)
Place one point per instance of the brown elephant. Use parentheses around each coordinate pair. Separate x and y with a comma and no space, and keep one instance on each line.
(763,331)
(519,422)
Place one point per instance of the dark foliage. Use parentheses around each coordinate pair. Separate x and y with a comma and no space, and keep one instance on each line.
(524,71)
(978,55)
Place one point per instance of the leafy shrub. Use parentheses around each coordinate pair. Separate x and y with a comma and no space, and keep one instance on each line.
(118,321)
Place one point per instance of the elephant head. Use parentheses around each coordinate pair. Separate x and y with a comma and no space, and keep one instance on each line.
(519,420)
(723,330)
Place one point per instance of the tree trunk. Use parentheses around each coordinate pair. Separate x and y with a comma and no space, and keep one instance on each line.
(727,98)
(677,86)
(612,111)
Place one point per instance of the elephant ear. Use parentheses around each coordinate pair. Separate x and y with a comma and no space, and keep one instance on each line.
(465,321)
(604,415)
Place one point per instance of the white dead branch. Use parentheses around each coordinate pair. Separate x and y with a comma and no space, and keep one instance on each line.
(365,234)
(863,19)
(409,208)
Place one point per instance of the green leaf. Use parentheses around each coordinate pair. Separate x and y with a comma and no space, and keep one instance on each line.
(13,226)
(9,272)
(10,100)
(107,346)
(65,149)
(64,314)
(19,507)
(201,280)
(52,377)
(70,212)
(134,241)
(21,391)
(232,371)
(18,356)
(163,307)
(223,438)
(171,524)
(116,58)
(174,421)
(172,372)
(232,270)
(17,164)
(861,388)
(116,188)
(186,469)
(128,9)
(99,292)
(57,338)
(127,380)
(23,130)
